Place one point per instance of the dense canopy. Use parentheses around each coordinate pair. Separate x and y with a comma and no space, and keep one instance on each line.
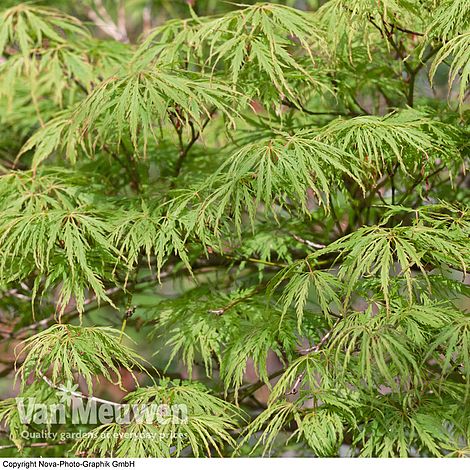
(258,211)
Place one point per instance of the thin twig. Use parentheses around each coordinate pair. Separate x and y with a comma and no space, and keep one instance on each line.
(102,19)
(322,341)
(300,107)
(317,246)
(221,311)
(73,313)
(312,350)
(76,394)
(418,181)
(250,389)
(184,150)
(41,445)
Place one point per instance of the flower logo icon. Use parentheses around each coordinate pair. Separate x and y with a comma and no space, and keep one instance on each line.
(67,392)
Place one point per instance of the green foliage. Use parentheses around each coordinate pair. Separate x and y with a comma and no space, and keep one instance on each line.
(54,234)
(86,351)
(9,415)
(209,423)
(450,19)
(26,27)
(460,66)
(246,44)
(406,138)
(371,251)
(271,201)
(454,341)
(289,164)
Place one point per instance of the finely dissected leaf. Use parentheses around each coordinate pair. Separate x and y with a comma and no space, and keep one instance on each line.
(277,169)
(206,425)
(365,19)
(272,40)
(136,103)
(254,342)
(381,353)
(450,19)
(53,232)
(458,49)
(393,140)
(383,252)
(455,337)
(86,351)
(27,26)
(302,280)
